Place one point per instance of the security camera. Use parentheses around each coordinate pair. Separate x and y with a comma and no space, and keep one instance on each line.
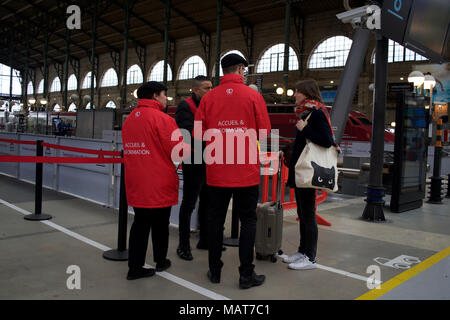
(355,16)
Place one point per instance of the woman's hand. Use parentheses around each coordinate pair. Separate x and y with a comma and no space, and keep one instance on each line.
(301,124)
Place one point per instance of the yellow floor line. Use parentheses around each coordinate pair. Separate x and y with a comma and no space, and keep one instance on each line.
(405,276)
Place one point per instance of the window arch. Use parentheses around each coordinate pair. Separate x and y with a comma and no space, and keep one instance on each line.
(5,77)
(72,107)
(56,85)
(192,67)
(332,52)
(157,73)
(110,78)
(87,81)
(272,59)
(134,75)
(30,88)
(72,83)
(111,105)
(398,53)
(41,87)
(228,52)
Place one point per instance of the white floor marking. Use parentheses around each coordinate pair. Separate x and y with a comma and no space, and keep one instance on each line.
(166,275)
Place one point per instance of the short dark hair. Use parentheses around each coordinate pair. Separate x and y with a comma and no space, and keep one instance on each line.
(198,81)
(232,69)
(310,89)
(148,89)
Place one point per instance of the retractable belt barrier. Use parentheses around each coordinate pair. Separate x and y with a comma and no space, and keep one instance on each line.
(119,254)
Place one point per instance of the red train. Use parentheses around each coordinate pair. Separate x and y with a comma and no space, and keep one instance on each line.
(283,117)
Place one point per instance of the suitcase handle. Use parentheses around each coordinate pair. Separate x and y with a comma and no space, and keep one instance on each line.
(279,182)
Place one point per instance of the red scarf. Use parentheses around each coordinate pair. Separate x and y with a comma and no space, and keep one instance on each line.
(319,106)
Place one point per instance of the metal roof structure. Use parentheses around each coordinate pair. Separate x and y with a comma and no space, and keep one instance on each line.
(33,24)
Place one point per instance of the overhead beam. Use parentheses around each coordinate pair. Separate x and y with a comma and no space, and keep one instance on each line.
(192,21)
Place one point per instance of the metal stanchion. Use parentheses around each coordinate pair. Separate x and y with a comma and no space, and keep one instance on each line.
(233,241)
(121,253)
(436,179)
(38,215)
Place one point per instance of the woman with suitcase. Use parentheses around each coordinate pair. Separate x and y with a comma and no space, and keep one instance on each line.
(315,126)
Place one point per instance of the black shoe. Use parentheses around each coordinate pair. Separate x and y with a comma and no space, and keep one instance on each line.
(214,278)
(185,253)
(204,246)
(163,266)
(251,281)
(140,273)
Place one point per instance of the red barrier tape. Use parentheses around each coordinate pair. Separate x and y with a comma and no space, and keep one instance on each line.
(34,159)
(18,141)
(82,150)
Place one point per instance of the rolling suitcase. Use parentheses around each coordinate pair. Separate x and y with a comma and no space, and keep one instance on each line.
(269,226)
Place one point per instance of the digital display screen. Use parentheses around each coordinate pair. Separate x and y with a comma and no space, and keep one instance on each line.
(414,144)
(428,27)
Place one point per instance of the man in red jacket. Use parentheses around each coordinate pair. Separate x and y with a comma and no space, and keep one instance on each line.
(151,180)
(232,111)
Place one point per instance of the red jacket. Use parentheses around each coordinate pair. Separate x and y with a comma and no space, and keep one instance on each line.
(151,179)
(233,107)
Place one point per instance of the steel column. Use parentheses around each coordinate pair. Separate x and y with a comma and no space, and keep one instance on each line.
(167,6)
(66,70)
(11,55)
(375,191)
(349,82)
(218,40)
(94,43)
(46,64)
(126,35)
(287,40)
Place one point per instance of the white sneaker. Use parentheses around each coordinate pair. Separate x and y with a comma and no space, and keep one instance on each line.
(294,258)
(304,264)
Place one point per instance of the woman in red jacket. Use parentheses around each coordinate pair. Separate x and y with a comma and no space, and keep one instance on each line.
(151,180)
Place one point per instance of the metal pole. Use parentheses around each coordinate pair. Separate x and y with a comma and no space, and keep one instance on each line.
(121,253)
(349,82)
(166,40)
(66,71)
(94,40)
(46,64)
(25,78)
(375,191)
(287,34)
(38,215)
(436,179)
(218,41)
(126,36)
(233,241)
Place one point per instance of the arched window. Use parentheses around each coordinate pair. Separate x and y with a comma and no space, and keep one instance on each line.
(5,76)
(273,59)
(398,53)
(192,67)
(30,88)
(231,51)
(72,107)
(87,81)
(134,75)
(56,85)
(72,83)
(110,78)
(157,73)
(332,52)
(41,87)
(57,108)
(111,105)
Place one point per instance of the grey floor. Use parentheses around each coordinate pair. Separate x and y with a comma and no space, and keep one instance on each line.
(34,256)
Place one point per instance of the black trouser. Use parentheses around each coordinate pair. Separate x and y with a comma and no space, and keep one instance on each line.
(145,219)
(194,185)
(306,211)
(245,199)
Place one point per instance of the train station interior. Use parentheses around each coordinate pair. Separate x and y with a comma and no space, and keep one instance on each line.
(69,74)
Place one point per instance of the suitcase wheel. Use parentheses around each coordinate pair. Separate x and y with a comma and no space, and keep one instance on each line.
(280,252)
(273,259)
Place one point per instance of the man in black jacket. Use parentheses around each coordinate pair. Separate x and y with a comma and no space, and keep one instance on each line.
(194,174)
